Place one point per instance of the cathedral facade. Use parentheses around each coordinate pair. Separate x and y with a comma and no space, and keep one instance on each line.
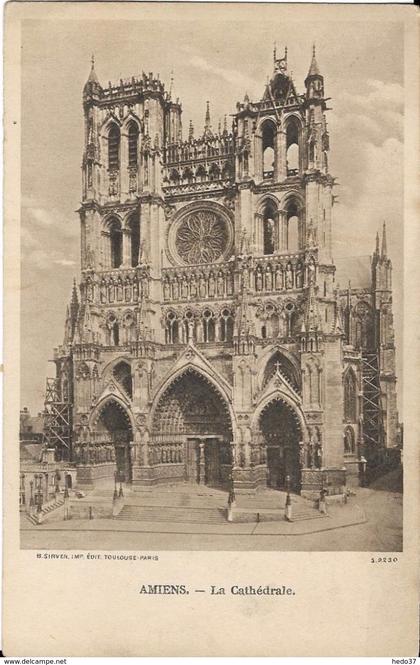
(208,340)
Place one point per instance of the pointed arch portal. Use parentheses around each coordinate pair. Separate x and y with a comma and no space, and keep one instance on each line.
(114,426)
(281,431)
(192,410)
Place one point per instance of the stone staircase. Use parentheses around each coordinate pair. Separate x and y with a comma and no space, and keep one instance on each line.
(37,518)
(210,507)
(172,514)
(300,513)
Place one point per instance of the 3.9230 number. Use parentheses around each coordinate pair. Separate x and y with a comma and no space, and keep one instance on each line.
(384,559)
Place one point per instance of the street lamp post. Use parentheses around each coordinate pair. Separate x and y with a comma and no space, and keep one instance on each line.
(362,467)
(39,492)
(115,485)
(31,498)
(288,506)
(22,490)
(231,498)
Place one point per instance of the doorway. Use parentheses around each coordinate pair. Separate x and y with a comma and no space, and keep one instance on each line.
(192,460)
(114,427)
(281,432)
(212,460)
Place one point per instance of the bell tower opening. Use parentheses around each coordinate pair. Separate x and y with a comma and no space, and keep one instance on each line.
(115,237)
(292,147)
(293,240)
(268,149)
(269,229)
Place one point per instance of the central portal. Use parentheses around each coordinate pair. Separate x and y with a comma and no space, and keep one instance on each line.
(193,409)
(207,461)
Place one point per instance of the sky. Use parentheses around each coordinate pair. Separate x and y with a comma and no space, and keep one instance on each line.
(218,61)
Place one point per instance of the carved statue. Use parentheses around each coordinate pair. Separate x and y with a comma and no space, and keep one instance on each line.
(318,456)
(220,284)
(166,290)
(289,277)
(245,277)
(193,288)
(211,285)
(190,331)
(184,287)
(175,289)
(102,290)
(311,273)
(301,455)
(202,286)
(278,278)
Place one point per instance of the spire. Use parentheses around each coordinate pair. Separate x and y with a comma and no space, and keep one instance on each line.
(92,75)
(225,124)
(338,323)
(191,131)
(67,328)
(74,308)
(74,296)
(171,85)
(275,52)
(314,69)
(384,249)
(377,244)
(207,123)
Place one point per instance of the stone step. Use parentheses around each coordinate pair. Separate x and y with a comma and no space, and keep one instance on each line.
(313,515)
(31,518)
(172,514)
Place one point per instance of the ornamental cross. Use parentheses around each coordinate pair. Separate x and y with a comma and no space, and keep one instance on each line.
(277,365)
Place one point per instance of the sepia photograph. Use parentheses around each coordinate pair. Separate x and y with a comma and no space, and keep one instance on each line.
(216,237)
(211,330)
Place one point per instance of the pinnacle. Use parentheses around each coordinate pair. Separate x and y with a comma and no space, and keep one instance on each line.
(93,78)
(384,244)
(314,68)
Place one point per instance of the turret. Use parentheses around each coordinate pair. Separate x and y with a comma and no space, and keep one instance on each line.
(92,87)
(314,81)
(381,265)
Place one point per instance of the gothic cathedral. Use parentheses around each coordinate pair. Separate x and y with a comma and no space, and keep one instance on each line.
(208,341)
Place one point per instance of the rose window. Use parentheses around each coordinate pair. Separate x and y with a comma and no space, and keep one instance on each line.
(201,237)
